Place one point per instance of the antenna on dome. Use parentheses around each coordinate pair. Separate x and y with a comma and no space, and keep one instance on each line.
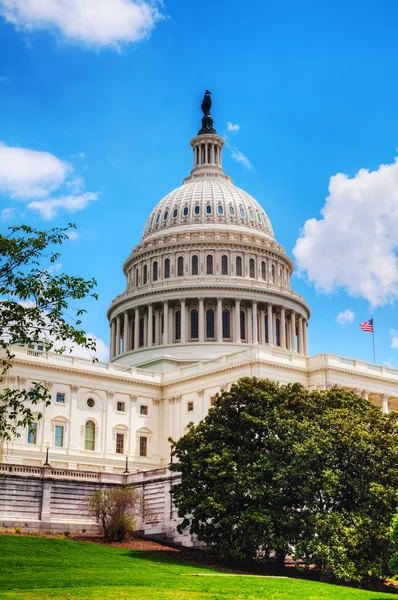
(207,120)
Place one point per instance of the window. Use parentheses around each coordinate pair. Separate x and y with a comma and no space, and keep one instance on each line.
(136,277)
(155,271)
(190,406)
(166,214)
(251,268)
(144,410)
(167,268)
(91,402)
(121,407)
(141,332)
(232,211)
(263,270)
(89,436)
(177,324)
(242,325)
(195,265)
(32,433)
(175,213)
(145,275)
(258,217)
(226,324)
(220,210)
(224,265)
(194,324)
(40,347)
(209,264)
(196,210)
(251,214)
(143,446)
(120,443)
(212,400)
(158,218)
(242,212)
(239,266)
(59,436)
(210,323)
(60,398)
(180,266)
(273,273)
(185,211)
(208,209)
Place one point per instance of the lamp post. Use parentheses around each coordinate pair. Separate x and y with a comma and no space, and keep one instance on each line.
(47,464)
(126,470)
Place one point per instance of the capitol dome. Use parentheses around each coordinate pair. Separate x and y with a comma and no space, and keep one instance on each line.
(208,275)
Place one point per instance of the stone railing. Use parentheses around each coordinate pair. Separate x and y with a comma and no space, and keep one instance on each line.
(357,367)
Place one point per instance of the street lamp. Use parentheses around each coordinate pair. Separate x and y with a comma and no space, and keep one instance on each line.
(126,470)
(47,464)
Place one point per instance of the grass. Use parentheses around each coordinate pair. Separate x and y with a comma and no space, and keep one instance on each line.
(33,568)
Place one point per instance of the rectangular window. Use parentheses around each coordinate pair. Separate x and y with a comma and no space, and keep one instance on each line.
(121,407)
(143,410)
(190,406)
(143,446)
(40,347)
(60,399)
(59,436)
(212,400)
(32,433)
(120,443)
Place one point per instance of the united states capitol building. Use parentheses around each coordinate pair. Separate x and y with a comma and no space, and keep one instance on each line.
(208,300)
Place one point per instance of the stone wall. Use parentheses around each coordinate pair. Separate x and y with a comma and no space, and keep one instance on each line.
(51,500)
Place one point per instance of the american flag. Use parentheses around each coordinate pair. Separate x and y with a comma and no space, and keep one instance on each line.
(367,325)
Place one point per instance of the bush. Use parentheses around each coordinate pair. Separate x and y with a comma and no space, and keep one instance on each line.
(66,533)
(115,510)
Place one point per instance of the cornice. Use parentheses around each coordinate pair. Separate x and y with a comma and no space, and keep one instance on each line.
(372,377)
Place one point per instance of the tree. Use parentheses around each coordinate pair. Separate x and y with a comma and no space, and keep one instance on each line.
(35,307)
(114,509)
(275,470)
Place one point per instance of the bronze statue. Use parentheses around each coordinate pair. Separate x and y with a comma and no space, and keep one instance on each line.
(206,103)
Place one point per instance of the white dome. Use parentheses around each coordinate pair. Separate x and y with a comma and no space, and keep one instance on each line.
(209,201)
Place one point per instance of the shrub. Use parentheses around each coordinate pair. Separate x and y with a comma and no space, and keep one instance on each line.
(115,510)
(66,533)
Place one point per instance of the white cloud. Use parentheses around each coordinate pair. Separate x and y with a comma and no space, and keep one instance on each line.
(354,244)
(95,23)
(239,157)
(101,353)
(394,338)
(346,316)
(8,214)
(73,235)
(232,128)
(48,209)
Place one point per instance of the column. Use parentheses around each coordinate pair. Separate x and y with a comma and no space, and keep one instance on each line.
(262,326)
(117,351)
(293,331)
(270,326)
(212,155)
(305,332)
(219,320)
(183,321)
(128,330)
(300,335)
(201,320)
(136,328)
(384,403)
(255,324)
(113,336)
(165,322)
(237,321)
(282,325)
(150,324)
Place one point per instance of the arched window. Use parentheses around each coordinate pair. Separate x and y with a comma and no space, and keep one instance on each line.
(251,268)
(226,324)
(167,268)
(209,264)
(155,271)
(239,266)
(141,332)
(195,265)
(177,324)
(180,266)
(224,265)
(263,270)
(242,325)
(145,274)
(210,324)
(137,277)
(273,273)
(89,436)
(194,324)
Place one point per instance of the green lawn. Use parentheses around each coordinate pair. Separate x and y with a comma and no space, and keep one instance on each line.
(39,569)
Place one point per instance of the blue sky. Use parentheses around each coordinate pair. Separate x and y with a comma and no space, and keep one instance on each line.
(115,100)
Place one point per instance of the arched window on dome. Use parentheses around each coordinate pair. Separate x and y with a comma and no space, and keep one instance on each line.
(195,265)
(89,436)
(263,270)
(252,273)
(194,324)
(180,266)
(196,210)
(224,264)
(175,213)
(145,275)
(226,324)
(177,326)
(209,264)
(155,271)
(167,268)
(239,266)
(141,332)
(243,325)
(273,273)
(210,324)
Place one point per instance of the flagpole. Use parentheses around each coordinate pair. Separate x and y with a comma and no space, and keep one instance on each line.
(373,339)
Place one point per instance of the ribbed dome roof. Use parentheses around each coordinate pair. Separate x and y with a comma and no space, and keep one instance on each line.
(208,201)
